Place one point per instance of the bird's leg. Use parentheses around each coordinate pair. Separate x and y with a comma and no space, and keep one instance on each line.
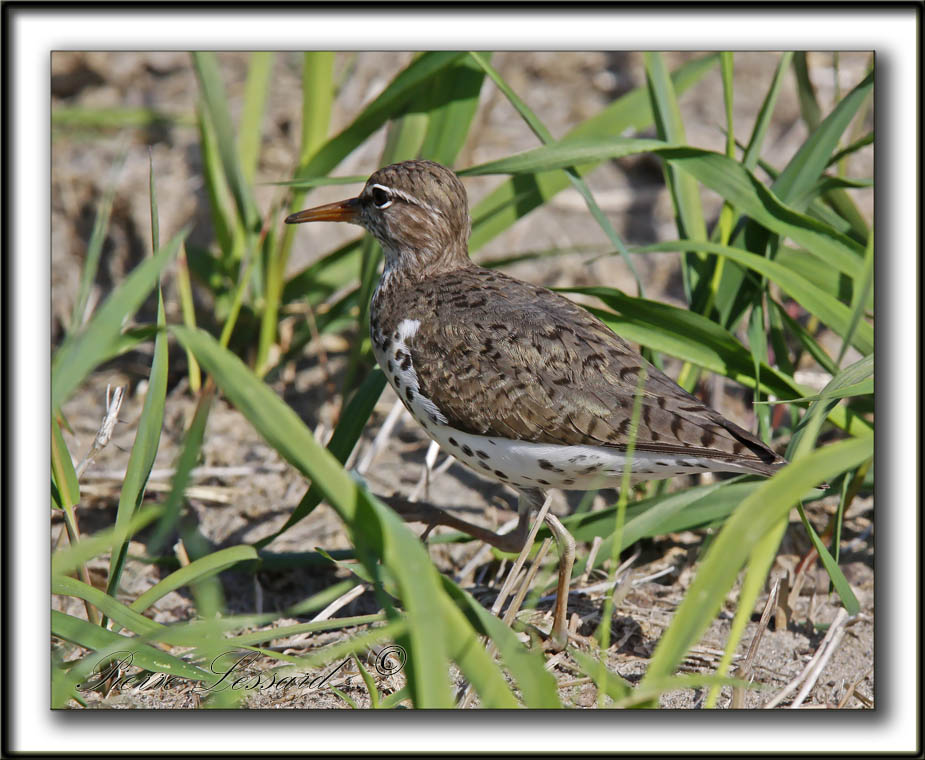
(413,511)
(532,499)
(566,544)
(514,541)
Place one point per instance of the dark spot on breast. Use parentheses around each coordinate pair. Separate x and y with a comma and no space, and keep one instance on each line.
(406,362)
(395,335)
(453,442)
(500,474)
(482,454)
(399,355)
(543,482)
(661,463)
(546,465)
(391,368)
(467,451)
(484,466)
(568,482)
(409,394)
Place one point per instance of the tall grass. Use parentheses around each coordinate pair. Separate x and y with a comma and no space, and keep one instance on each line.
(798,238)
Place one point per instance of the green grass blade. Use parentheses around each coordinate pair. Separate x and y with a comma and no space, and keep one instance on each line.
(107,646)
(112,608)
(255,99)
(572,172)
(565,153)
(606,681)
(804,438)
(808,163)
(375,530)
(454,102)
(213,92)
(83,351)
(760,131)
(187,306)
(152,196)
(842,587)
(515,198)
(79,117)
(62,468)
(861,142)
(386,106)
(184,466)
(317,101)
(758,346)
(536,684)
(221,204)
(863,294)
(809,105)
(69,559)
(144,450)
(779,319)
(759,565)
(816,301)
(193,573)
(95,247)
(670,128)
(741,188)
(343,439)
(755,517)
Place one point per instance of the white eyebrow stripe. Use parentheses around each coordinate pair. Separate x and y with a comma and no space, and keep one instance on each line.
(408,198)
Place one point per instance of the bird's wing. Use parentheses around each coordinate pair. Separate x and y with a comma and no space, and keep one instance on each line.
(529,364)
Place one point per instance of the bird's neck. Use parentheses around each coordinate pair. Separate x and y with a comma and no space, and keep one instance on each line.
(406,271)
(410,265)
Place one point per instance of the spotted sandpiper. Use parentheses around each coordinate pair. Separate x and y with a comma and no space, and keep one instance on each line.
(518,382)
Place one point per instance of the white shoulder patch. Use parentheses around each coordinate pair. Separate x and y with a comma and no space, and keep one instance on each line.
(396,362)
(407,328)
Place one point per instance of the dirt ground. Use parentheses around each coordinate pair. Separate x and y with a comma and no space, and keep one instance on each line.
(244,491)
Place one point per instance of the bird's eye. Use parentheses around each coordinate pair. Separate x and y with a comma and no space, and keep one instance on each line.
(381,197)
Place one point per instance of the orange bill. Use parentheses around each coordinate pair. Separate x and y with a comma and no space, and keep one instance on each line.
(341,211)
